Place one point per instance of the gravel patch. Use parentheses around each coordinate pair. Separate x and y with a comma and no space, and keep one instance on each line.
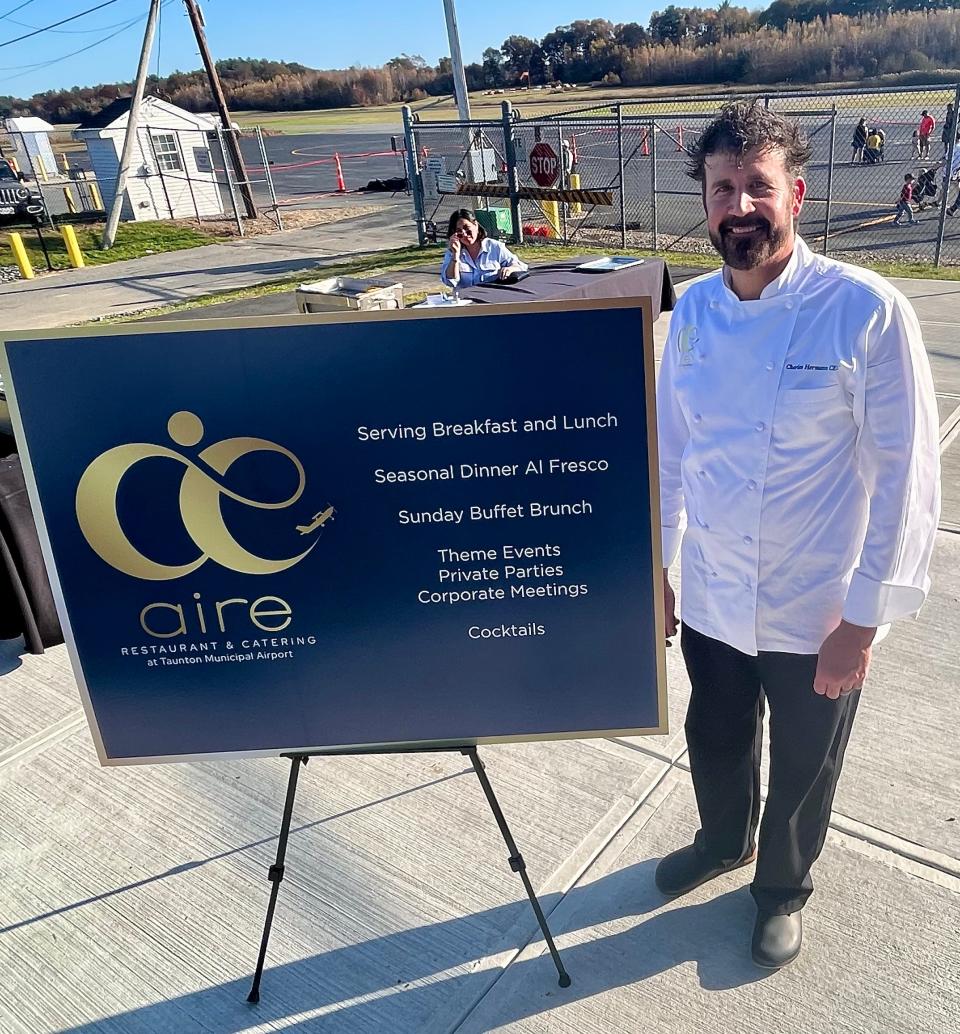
(293,219)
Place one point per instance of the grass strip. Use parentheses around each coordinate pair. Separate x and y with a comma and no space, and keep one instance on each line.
(133,240)
(400,259)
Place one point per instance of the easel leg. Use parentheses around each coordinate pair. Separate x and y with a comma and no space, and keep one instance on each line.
(275,874)
(517,863)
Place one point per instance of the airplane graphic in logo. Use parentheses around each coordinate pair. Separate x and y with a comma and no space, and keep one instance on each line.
(317,521)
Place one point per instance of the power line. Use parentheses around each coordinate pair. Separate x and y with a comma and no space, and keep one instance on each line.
(14,10)
(39,65)
(63,21)
(67,32)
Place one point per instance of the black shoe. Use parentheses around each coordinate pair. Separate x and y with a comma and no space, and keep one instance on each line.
(777,940)
(681,871)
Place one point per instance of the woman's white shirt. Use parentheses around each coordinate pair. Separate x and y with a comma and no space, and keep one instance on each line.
(493,256)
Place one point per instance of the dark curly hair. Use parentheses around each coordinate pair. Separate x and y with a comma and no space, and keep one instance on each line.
(749,126)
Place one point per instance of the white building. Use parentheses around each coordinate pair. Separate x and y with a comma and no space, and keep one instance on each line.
(172,173)
(31,141)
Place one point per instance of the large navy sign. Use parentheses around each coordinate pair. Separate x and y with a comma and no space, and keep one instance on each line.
(426,528)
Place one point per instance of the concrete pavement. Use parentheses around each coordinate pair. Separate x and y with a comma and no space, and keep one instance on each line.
(77,295)
(132,900)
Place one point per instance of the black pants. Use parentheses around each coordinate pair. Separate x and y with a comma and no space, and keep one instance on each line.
(724,727)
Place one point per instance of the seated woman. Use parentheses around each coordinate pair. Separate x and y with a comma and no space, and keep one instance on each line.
(472,257)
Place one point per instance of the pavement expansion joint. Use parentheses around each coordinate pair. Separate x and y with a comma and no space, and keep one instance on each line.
(643,799)
(40,741)
(919,860)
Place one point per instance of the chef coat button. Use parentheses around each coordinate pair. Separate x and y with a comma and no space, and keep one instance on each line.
(751,485)
(701,473)
(713,574)
(713,305)
(789,305)
(747,541)
(761,426)
(770,366)
(697,418)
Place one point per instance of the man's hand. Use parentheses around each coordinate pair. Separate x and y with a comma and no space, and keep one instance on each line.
(669,608)
(844,660)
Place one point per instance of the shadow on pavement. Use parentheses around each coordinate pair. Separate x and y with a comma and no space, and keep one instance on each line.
(369,978)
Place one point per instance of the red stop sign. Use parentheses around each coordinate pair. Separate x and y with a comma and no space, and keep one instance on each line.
(544,164)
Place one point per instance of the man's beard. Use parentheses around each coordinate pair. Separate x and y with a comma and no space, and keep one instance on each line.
(751,250)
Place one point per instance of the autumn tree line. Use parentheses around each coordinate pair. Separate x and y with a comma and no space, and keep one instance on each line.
(791,41)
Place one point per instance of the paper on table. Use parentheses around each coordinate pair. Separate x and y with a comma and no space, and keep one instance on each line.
(442,299)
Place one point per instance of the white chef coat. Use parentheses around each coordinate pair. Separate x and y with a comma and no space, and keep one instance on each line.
(494,256)
(799,446)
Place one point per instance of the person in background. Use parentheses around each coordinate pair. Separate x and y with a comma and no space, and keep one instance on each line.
(949,126)
(915,153)
(859,142)
(926,127)
(871,152)
(800,482)
(951,176)
(472,257)
(906,197)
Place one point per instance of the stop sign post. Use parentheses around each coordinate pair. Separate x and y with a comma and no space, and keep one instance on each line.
(544,164)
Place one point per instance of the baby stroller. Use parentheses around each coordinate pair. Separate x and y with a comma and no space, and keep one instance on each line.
(925,190)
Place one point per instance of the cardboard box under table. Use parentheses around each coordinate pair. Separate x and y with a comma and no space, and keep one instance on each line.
(339,293)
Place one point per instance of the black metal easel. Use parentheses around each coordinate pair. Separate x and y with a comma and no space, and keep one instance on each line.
(517,864)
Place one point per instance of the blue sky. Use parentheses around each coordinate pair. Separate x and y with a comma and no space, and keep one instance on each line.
(318,33)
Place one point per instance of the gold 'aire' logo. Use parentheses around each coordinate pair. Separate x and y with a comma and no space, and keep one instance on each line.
(199,504)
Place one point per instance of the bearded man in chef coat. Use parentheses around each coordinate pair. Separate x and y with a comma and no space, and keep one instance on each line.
(799,474)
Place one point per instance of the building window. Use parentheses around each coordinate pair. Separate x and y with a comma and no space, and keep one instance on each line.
(167,152)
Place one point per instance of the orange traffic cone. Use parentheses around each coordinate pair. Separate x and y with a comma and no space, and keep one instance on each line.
(341,186)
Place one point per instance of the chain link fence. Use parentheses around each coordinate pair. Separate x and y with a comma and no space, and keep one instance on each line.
(615,175)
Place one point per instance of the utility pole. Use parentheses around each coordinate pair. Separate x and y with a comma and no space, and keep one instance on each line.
(456,58)
(133,122)
(235,158)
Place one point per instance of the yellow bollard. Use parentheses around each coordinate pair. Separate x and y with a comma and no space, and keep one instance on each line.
(71,202)
(73,248)
(95,194)
(20,254)
(551,209)
(40,168)
(575,207)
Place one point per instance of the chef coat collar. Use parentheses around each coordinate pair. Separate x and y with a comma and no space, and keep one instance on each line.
(799,260)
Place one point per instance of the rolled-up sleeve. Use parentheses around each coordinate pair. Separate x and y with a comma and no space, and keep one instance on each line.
(899,456)
(672,435)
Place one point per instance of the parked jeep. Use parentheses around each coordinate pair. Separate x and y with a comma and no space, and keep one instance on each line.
(18,200)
